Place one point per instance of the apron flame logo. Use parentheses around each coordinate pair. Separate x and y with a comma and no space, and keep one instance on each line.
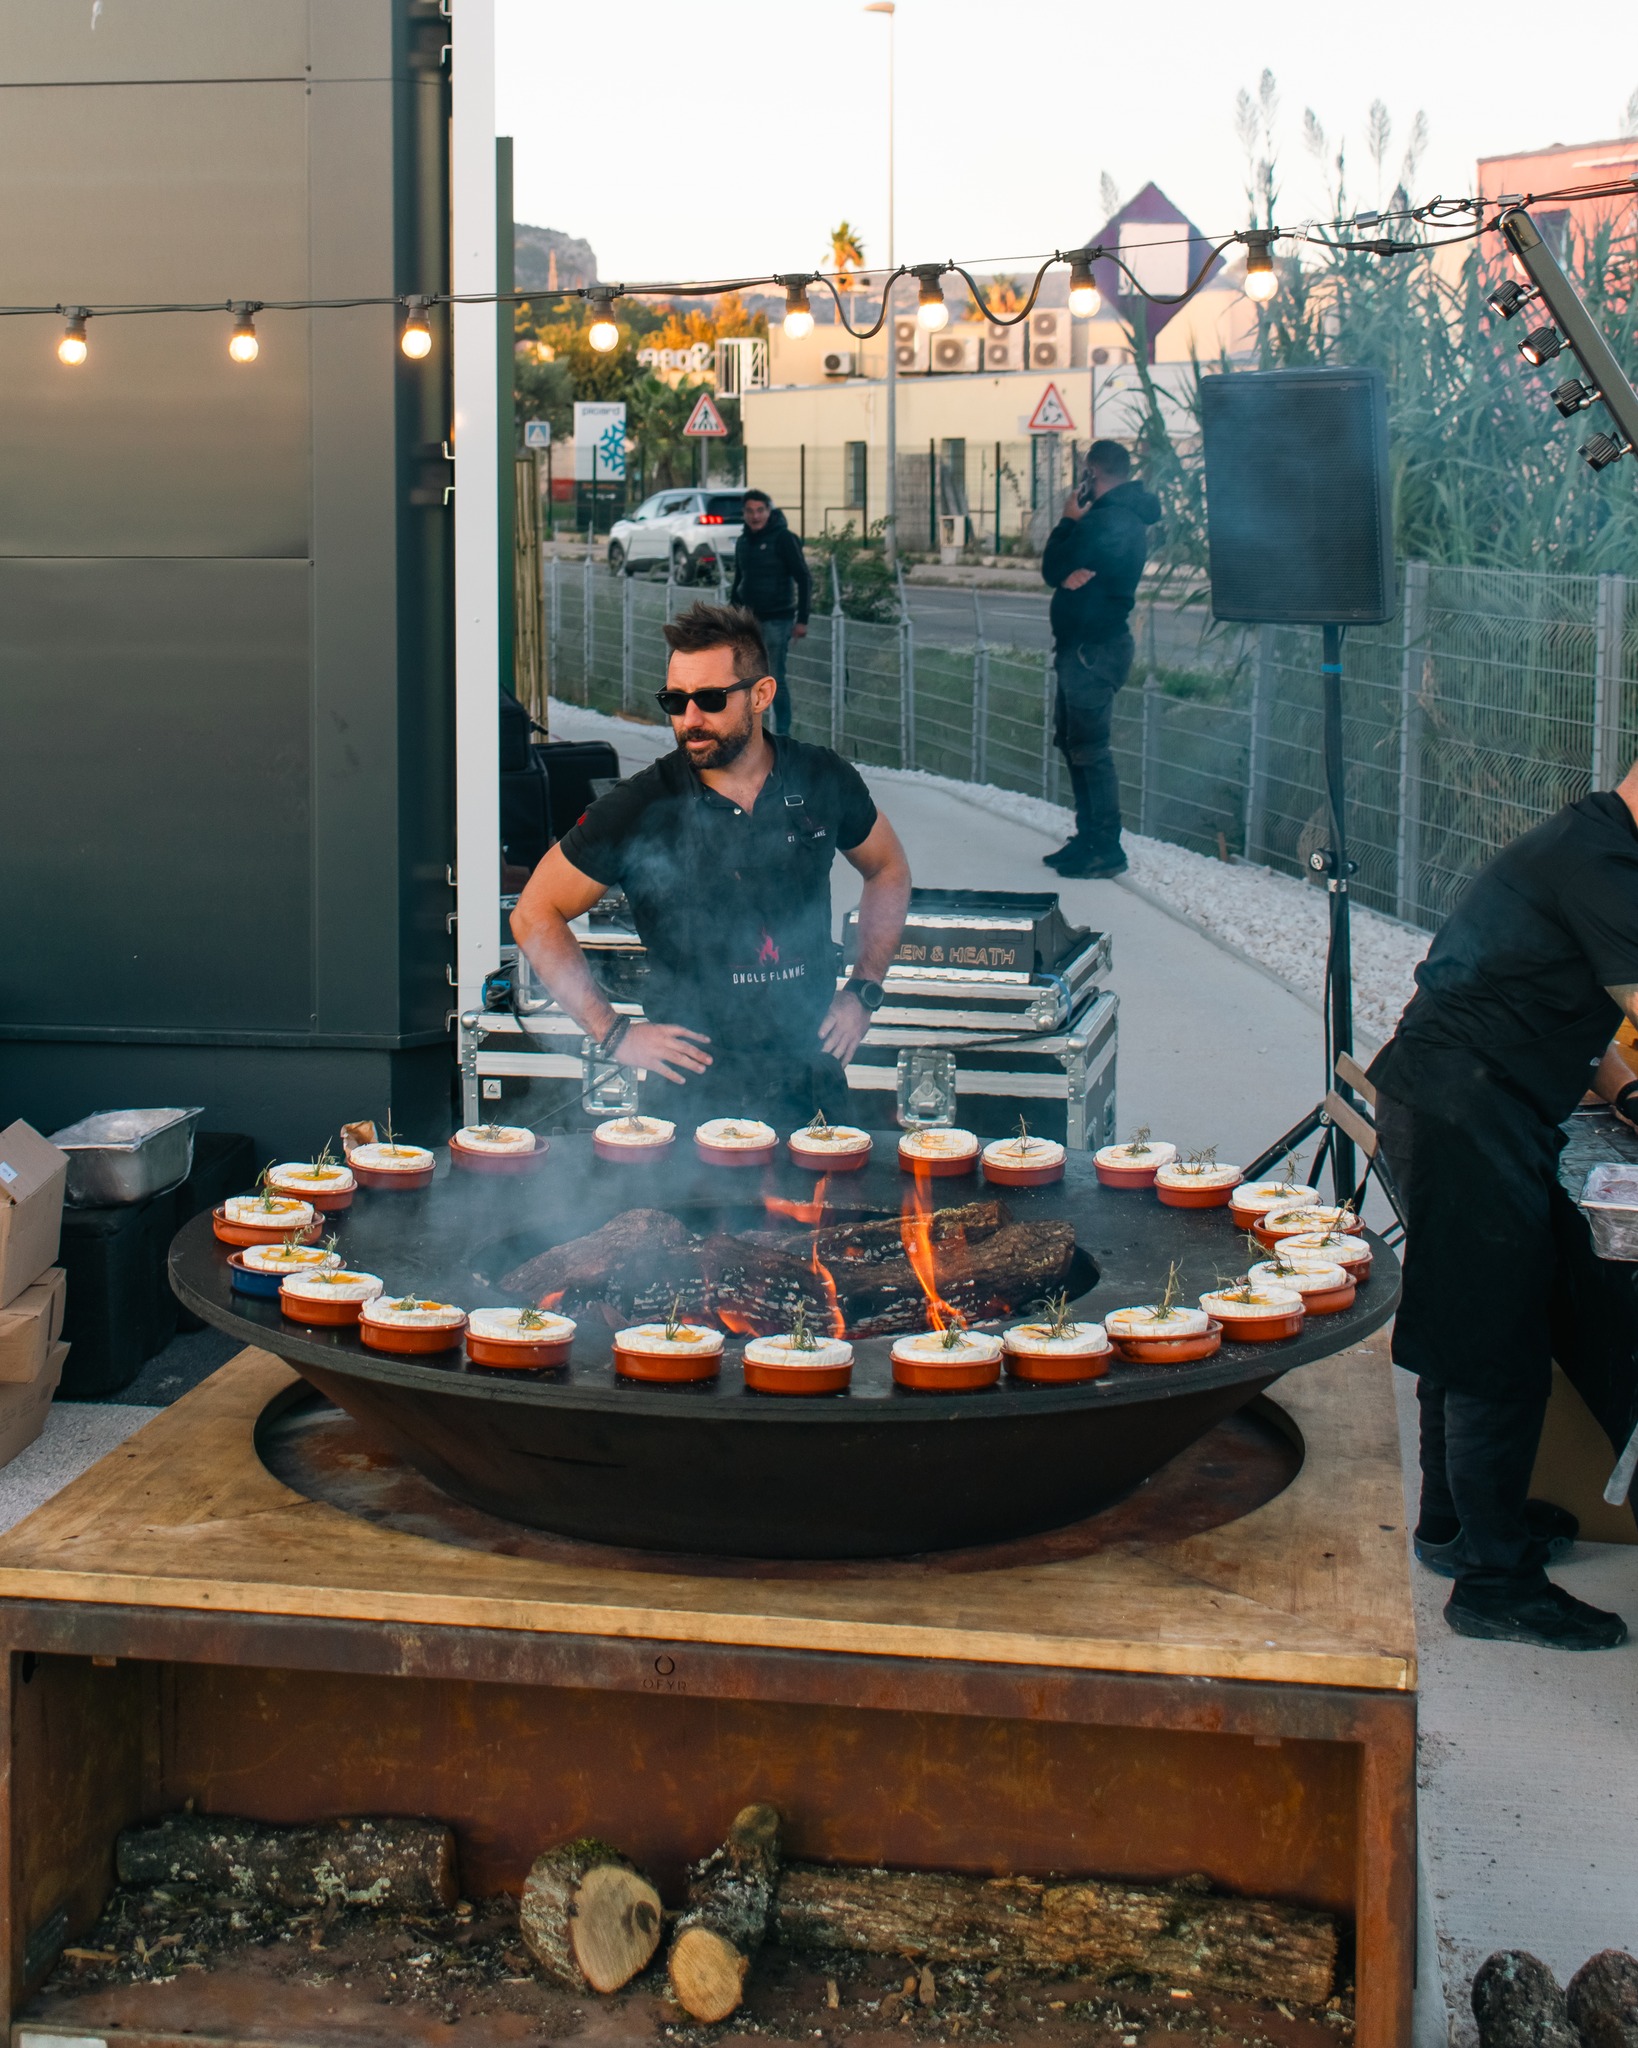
(767,954)
(916,1234)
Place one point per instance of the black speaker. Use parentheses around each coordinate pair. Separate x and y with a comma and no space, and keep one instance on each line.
(1298,504)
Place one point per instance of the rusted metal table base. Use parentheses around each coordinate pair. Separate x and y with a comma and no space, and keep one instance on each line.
(133,1685)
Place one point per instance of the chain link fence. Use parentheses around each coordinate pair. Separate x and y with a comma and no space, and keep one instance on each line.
(1490,700)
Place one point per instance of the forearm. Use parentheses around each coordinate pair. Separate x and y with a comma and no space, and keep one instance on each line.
(1614,1073)
(555,955)
(882,910)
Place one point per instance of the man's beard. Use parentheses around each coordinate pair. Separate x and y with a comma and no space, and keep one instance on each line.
(725,751)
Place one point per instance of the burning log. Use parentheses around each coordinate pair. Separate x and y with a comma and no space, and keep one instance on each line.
(589,1918)
(730,1898)
(636,1250)
(1182,1934)
(405,1865)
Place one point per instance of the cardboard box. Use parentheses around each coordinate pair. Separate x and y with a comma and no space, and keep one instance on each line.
(29,1328)
(23,1410)
(33,1175)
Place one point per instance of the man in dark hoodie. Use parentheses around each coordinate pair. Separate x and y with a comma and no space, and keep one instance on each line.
(771,579)
(1093,560)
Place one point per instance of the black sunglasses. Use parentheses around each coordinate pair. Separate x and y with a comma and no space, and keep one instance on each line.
(675,703)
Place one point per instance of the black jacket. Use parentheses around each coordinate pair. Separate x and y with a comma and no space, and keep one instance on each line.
(1111,538)
(766,565)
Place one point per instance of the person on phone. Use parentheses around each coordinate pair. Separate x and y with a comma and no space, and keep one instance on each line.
(724,850)
(1093,559)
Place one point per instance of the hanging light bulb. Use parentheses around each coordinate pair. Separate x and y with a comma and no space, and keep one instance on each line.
(603,334)
(1084,296)
(798,313)
(931,310)
(1261,282)
(72,348)
(243,345)
(416,339)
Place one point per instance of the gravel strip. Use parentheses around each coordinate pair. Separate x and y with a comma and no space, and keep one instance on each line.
(1276,922)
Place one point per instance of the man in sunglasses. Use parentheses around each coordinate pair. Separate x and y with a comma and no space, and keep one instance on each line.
(724,850)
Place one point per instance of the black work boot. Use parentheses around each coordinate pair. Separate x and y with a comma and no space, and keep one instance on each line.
(1554,1528)
(1547,1616)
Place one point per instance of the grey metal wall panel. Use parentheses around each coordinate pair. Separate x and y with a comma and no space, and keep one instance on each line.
(154,784)
(44,42)
(159,444)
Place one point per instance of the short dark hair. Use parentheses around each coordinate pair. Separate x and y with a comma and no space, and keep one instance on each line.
(704,626)
(1109,458)
(762,496)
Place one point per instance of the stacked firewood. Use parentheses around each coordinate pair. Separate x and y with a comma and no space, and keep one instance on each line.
(593,1920)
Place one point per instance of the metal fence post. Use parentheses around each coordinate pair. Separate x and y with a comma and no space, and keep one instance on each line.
(1610,623)
(554,624)
(1049,703)
(1147,788)
(1262,703)
(1412,661)
(838,658)
(588,630)
(981,695)
(627,677)
(907,675)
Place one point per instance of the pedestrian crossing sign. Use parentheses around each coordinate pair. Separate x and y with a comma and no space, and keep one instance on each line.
(705,419)
(1051,416)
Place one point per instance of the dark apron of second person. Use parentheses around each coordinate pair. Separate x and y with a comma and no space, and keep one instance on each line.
(1499,1272)
(761,965)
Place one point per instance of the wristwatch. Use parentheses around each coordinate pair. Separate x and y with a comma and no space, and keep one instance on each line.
(870,993)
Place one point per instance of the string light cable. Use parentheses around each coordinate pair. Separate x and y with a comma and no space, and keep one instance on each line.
(1484,217)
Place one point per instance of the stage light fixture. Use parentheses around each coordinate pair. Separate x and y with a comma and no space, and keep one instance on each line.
(72,349)
(798,313)
(1572,396)
(243,346)
(1084,296)
(603,334)
(1602,450)
(931,310)
(416,339)
(1261,281)
(1511,297)
(1540,346)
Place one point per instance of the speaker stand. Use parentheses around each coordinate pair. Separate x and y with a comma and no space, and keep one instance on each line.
(1331,861)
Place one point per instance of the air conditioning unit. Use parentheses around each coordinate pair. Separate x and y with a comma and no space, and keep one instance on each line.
(1049,339)
(955,349)
(839,362)
(1003,348)
(909,343)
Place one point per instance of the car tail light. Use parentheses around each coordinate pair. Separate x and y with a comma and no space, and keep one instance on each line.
(709,519)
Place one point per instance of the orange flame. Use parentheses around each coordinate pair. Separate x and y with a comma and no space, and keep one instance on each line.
(736,1324)
(810,1213)
(551,1300)
(833,1307)
(813,1214)
(916,1234)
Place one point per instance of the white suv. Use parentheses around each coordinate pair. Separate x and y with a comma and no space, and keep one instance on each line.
(686,533)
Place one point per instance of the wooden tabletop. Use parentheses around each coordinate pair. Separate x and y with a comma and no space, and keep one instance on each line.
(1310,1589)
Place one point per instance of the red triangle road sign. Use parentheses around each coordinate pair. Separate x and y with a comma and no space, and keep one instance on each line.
(705,419)
(1051,416)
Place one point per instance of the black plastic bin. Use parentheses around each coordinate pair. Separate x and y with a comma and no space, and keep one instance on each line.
(120,1309)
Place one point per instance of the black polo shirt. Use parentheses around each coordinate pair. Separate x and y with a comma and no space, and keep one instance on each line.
(733,906)
(1518,973)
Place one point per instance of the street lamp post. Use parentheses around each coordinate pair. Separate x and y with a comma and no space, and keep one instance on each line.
(890,9)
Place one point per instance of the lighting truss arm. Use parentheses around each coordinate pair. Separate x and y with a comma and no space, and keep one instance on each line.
(1576,324)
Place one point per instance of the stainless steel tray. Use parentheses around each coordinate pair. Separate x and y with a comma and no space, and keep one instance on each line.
(120,1156)
(1610,1203)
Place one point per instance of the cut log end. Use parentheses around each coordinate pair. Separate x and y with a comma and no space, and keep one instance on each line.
(614,1926)
(707,1973)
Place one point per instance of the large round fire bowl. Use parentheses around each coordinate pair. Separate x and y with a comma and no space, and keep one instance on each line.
(716,1468)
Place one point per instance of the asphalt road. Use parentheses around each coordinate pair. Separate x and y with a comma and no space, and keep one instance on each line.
(1012,618)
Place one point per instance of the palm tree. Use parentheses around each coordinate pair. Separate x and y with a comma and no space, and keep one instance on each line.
(846,254)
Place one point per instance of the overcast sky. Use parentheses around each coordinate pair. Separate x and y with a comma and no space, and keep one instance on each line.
(690,141)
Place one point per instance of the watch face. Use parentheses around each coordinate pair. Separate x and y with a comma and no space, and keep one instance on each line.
(870,993)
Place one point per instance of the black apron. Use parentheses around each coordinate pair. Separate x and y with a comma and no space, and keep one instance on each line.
(761,976)
(1499,1272)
